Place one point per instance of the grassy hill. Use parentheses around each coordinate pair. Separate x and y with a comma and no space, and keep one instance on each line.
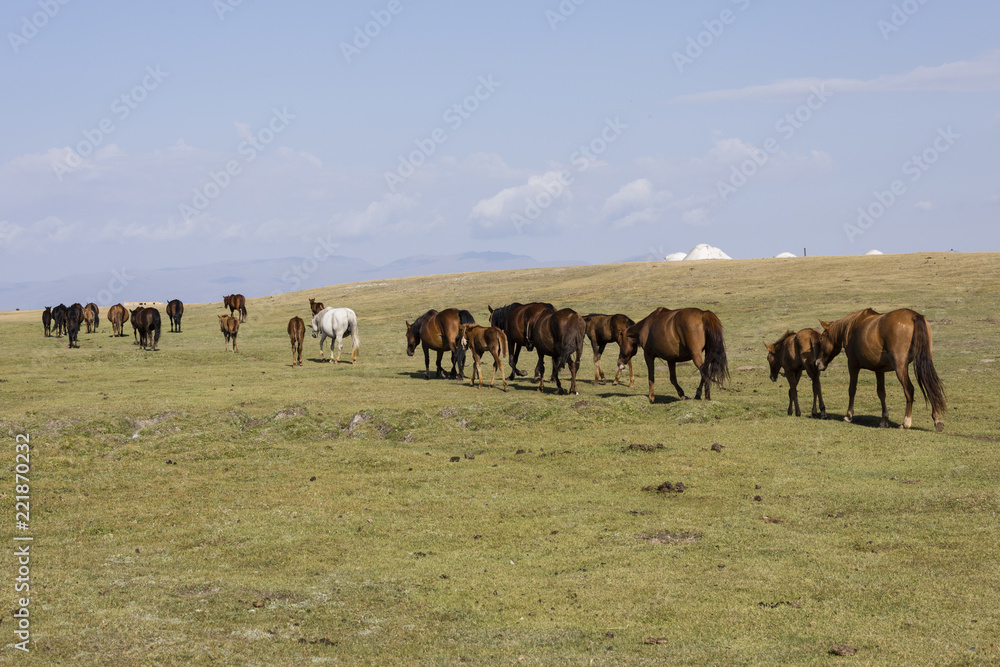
(193,505)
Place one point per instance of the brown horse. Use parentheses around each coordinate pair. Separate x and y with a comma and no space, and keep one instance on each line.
(315,306)
(558,334)
(480,340)
(884,343)
(47,321)
(687,334)
(74,315)
(513,319)
(148,323)
(604,329)
(134,319)
(175,311)
(439,331)
(792,354)
(91,317)
(236,302)
(297,332)
(118,315)
(230,327)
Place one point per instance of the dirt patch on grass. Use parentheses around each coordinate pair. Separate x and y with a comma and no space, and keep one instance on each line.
(153,421)
(296,411)
(663,537)
(643,448)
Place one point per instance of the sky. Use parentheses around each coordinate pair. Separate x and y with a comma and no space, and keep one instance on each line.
(155,134)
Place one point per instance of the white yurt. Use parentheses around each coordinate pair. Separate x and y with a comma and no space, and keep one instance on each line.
(705,251)
(675,256)
(783,255)
(874,252)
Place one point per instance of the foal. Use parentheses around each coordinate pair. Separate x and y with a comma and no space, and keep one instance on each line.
(793,353)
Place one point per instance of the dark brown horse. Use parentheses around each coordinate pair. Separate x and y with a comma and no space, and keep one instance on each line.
(884,343)
(59,314)
(91,317)
(134,319)
(297,333)
(74,315)
(604,329)
(118,315)
(47,321)
(439,331)
(315,306)
(512,319)
(148,323)
(557,334)
(230,328)
(687,334)
(480,340)
(236,302)
(175,311)
(792,354)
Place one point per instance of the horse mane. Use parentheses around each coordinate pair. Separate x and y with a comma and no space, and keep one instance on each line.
(586,318)
(465,317)
(843,327)
(499,315)
(784,337)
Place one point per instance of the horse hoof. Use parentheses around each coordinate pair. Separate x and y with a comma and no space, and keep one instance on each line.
(847,419)
(938,426)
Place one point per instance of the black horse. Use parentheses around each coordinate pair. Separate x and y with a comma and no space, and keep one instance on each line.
(59,319)
(47,321)
(175,309)
(73,318)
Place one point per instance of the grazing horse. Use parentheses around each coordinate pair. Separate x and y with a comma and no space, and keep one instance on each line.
(512,319)
(315,306)
(792,354)
(230,327)
(335,323)
(73,316)
(480,340)
(884,343)
(296,332)
(439,331)
(687,334)
(148,322)
(236,302)
(557,334)
(175,310)
(59,314)
(604,329)
(47,321)
(118,315)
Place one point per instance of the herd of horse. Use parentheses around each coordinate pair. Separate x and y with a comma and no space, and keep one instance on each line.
(881,343)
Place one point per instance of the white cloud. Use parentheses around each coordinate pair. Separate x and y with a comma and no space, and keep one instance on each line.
(980,74)
(925,205)
(496,211)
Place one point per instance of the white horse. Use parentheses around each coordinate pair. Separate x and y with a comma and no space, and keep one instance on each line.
(336,323)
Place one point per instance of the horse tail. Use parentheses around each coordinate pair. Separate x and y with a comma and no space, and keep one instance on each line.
(927,378)
(570,344)
(465,317)
(243,311)
(355,336)
(503,343)
(156,328)
(715,367)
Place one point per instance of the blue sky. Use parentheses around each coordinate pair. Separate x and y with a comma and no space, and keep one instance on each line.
(171,134)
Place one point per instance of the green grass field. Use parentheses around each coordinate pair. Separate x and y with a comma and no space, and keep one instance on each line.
(195,506)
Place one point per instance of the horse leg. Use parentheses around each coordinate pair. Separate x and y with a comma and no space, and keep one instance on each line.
(817,392)
(498,361)
(903,373)
(880,389)
(574,368)
(793,393)
(427,362)
(540,366)
(705,384)
(340,347)
(598,371)
(513,361)
(651,371)
(852,388)
(672,365)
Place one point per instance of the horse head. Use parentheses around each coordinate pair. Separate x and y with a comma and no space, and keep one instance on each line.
(412,339)
(773,360)
(829,347)
(628,345)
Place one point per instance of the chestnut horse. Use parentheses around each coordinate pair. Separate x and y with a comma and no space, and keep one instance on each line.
(792,354)
(512,319)
(175,311)
(480,340)
(118,316)
(297,333)
(315,306)
(148,325)
(686,334)
(439,331)
(558,334)
(884,343)
(47,321)
(236,302)
(92,317)
(230,327)
(604,329)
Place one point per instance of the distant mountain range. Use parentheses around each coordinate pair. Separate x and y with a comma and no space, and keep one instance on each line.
(199,284)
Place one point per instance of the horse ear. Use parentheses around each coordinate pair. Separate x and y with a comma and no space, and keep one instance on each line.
(407,325)
(826,325)
(770,348)
(489,307)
